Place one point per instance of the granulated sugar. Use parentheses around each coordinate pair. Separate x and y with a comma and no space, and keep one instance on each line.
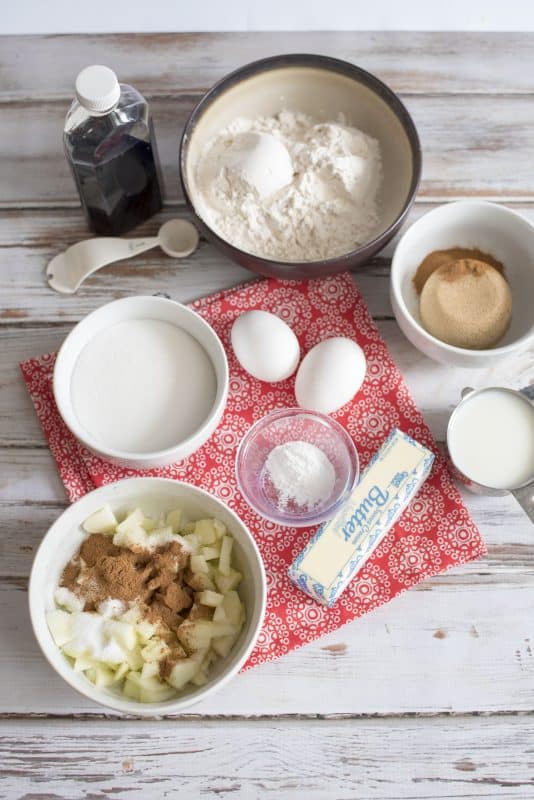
(291,188)
(300,473)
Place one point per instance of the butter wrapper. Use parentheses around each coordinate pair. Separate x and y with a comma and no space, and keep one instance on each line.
(342,545)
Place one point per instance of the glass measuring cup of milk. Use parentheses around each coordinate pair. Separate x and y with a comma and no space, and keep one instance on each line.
(490,439)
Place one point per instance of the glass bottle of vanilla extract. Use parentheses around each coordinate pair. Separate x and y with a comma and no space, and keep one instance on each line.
(110,146)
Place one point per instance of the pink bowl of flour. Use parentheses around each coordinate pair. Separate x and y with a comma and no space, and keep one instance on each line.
(297,467)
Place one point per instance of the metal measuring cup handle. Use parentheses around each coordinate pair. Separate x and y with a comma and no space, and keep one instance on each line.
(525,498)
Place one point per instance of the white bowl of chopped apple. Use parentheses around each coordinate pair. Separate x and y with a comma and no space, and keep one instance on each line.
(147,595)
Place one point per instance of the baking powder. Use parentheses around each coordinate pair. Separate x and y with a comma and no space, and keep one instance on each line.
(301,473)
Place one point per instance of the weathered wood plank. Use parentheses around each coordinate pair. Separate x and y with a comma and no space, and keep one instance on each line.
(23,260)
(163,63)
(469,147)
(30,238)
(452,758)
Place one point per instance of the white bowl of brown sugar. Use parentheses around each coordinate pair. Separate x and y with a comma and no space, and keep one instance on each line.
(462,283)
(147,595)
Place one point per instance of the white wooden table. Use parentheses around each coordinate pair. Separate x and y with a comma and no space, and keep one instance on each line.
(431,695)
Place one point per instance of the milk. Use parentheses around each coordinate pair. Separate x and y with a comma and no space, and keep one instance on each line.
(491,439)
(142,385)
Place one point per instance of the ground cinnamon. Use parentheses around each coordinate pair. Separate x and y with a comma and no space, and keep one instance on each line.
(153,579)
(438,258)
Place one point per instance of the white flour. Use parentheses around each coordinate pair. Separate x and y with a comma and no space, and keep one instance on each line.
(290,188)
(301,473)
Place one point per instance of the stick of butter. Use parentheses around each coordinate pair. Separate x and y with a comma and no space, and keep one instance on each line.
(340,548)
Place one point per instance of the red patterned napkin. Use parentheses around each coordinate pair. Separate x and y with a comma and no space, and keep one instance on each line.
(433,534)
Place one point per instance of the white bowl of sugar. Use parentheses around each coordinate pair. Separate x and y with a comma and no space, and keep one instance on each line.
(141,382)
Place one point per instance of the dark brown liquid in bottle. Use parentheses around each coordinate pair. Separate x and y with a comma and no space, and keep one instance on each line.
(116,174)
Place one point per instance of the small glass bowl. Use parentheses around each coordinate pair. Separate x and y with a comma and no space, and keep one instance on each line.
(288,425)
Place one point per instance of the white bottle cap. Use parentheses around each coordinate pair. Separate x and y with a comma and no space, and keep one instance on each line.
(97,88)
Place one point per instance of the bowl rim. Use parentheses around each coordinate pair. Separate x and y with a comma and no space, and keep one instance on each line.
(398,297)
(145,457)
(311,518)
(328,64)
(120,702)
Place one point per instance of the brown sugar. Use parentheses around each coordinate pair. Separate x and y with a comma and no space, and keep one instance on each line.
(438,258)
(466,303)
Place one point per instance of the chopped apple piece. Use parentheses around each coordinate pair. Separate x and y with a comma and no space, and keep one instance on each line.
(208,660)
(135,659)
(60,626)
(188,527)
(131,538)
(145,630)
(150,669)
(134,677)
(154,691)
(205,531)
(219,528)
(121,632)
(223,644)
(131,687)
(219,615)
(101,521)
(226,552)
(223,629)
(161,536)
(200,678)
(210,552)
(82,663)
(195,635)
(154,651)
(121,671)
(225,583)
(199,564)
(68,600)
(174,519)
(198,581)
(104,676)
(233,608)
(75,649)
(165,531)
(133,520)
(209,598)
(192,542)
(182,672)
(212,570)
(200,654)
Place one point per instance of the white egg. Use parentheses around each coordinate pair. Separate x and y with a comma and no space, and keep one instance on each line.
(330,375)
(265,346)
